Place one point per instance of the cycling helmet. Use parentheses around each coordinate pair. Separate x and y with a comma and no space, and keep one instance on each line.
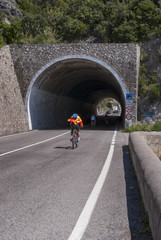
(75,116)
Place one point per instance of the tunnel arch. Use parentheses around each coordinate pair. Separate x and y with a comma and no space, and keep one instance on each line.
(71,83)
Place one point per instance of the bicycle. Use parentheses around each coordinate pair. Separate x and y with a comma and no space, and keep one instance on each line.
(75,139)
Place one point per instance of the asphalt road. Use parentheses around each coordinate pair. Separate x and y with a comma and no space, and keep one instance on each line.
(50,192)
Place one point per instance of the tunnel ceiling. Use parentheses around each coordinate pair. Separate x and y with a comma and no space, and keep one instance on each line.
(80,79)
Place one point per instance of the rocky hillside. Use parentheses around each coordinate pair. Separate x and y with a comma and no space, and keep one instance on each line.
(149,107)
(9,7)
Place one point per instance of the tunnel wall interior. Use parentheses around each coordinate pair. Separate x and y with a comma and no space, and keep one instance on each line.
(68,86)
(49,111)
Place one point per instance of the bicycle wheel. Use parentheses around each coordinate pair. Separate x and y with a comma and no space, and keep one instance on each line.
(75,139)
(73,143)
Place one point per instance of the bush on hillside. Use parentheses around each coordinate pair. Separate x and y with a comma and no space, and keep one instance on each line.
(11,33)
(139,127)
(2,42)
(148,83)
(110,21)
(144,127)
(157,127)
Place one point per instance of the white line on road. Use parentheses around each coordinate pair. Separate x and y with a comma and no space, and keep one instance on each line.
(84,218)
(34,144)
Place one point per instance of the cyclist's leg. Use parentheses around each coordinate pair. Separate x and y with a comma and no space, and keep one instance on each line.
(79,133)
(92,123)
(71,134)
(78,130)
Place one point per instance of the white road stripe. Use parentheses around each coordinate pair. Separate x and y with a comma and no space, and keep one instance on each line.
(31,145)
(85,216)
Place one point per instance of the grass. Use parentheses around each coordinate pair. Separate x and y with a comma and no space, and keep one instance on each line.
(144,127)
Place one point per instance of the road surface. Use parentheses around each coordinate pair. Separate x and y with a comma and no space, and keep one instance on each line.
(50,192)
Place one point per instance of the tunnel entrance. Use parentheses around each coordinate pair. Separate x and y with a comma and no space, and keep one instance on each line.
(71,84)
(108,106)
(109,113)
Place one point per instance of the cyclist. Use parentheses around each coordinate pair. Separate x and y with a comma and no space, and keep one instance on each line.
(75,122)
(93,120)
(106,119)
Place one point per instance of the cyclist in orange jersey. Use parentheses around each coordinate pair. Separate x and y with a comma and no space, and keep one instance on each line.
(75,122)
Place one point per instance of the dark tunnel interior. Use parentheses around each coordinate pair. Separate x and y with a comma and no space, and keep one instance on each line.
(68,86)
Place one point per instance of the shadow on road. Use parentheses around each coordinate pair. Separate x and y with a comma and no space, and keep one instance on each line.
(136,212)
(69,147)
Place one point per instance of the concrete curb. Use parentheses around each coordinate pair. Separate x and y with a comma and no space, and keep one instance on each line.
(148,170)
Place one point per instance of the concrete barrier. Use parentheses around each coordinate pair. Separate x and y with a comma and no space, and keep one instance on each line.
(148,171)
(153,139)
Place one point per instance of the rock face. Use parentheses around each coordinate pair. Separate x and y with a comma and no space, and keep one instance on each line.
(154,142)
(149,112)
(10,8)
(153,50)
(147,109)
(13,117)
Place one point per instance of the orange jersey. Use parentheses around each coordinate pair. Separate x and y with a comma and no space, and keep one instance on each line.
(75,121)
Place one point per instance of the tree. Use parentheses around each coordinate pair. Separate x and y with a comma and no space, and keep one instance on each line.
(148,17)
(11,33)
(125,32)
(33,24)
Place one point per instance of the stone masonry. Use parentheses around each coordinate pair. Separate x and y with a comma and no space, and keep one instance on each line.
(27,60)
(12,112)
(122,58)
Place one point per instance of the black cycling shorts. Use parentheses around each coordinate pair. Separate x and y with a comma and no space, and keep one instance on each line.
(75,126)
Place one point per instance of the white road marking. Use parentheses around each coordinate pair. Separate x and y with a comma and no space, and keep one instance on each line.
(31,145)
(85,216)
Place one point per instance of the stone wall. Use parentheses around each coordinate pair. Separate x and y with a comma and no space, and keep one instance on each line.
(122,58)
(20,63)
(153,139)
(12,112)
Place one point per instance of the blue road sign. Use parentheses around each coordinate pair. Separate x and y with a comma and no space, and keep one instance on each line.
(129,96)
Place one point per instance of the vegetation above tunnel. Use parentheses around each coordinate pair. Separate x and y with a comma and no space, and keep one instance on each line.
(106,21)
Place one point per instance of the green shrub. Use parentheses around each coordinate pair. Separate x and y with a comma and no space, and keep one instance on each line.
(159,55)
(154,91)
(139,127)
(143,58)
(2,42)
(128,129)
(157,127)
(11,33)
(144,127)
(108,20)
(148,84)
